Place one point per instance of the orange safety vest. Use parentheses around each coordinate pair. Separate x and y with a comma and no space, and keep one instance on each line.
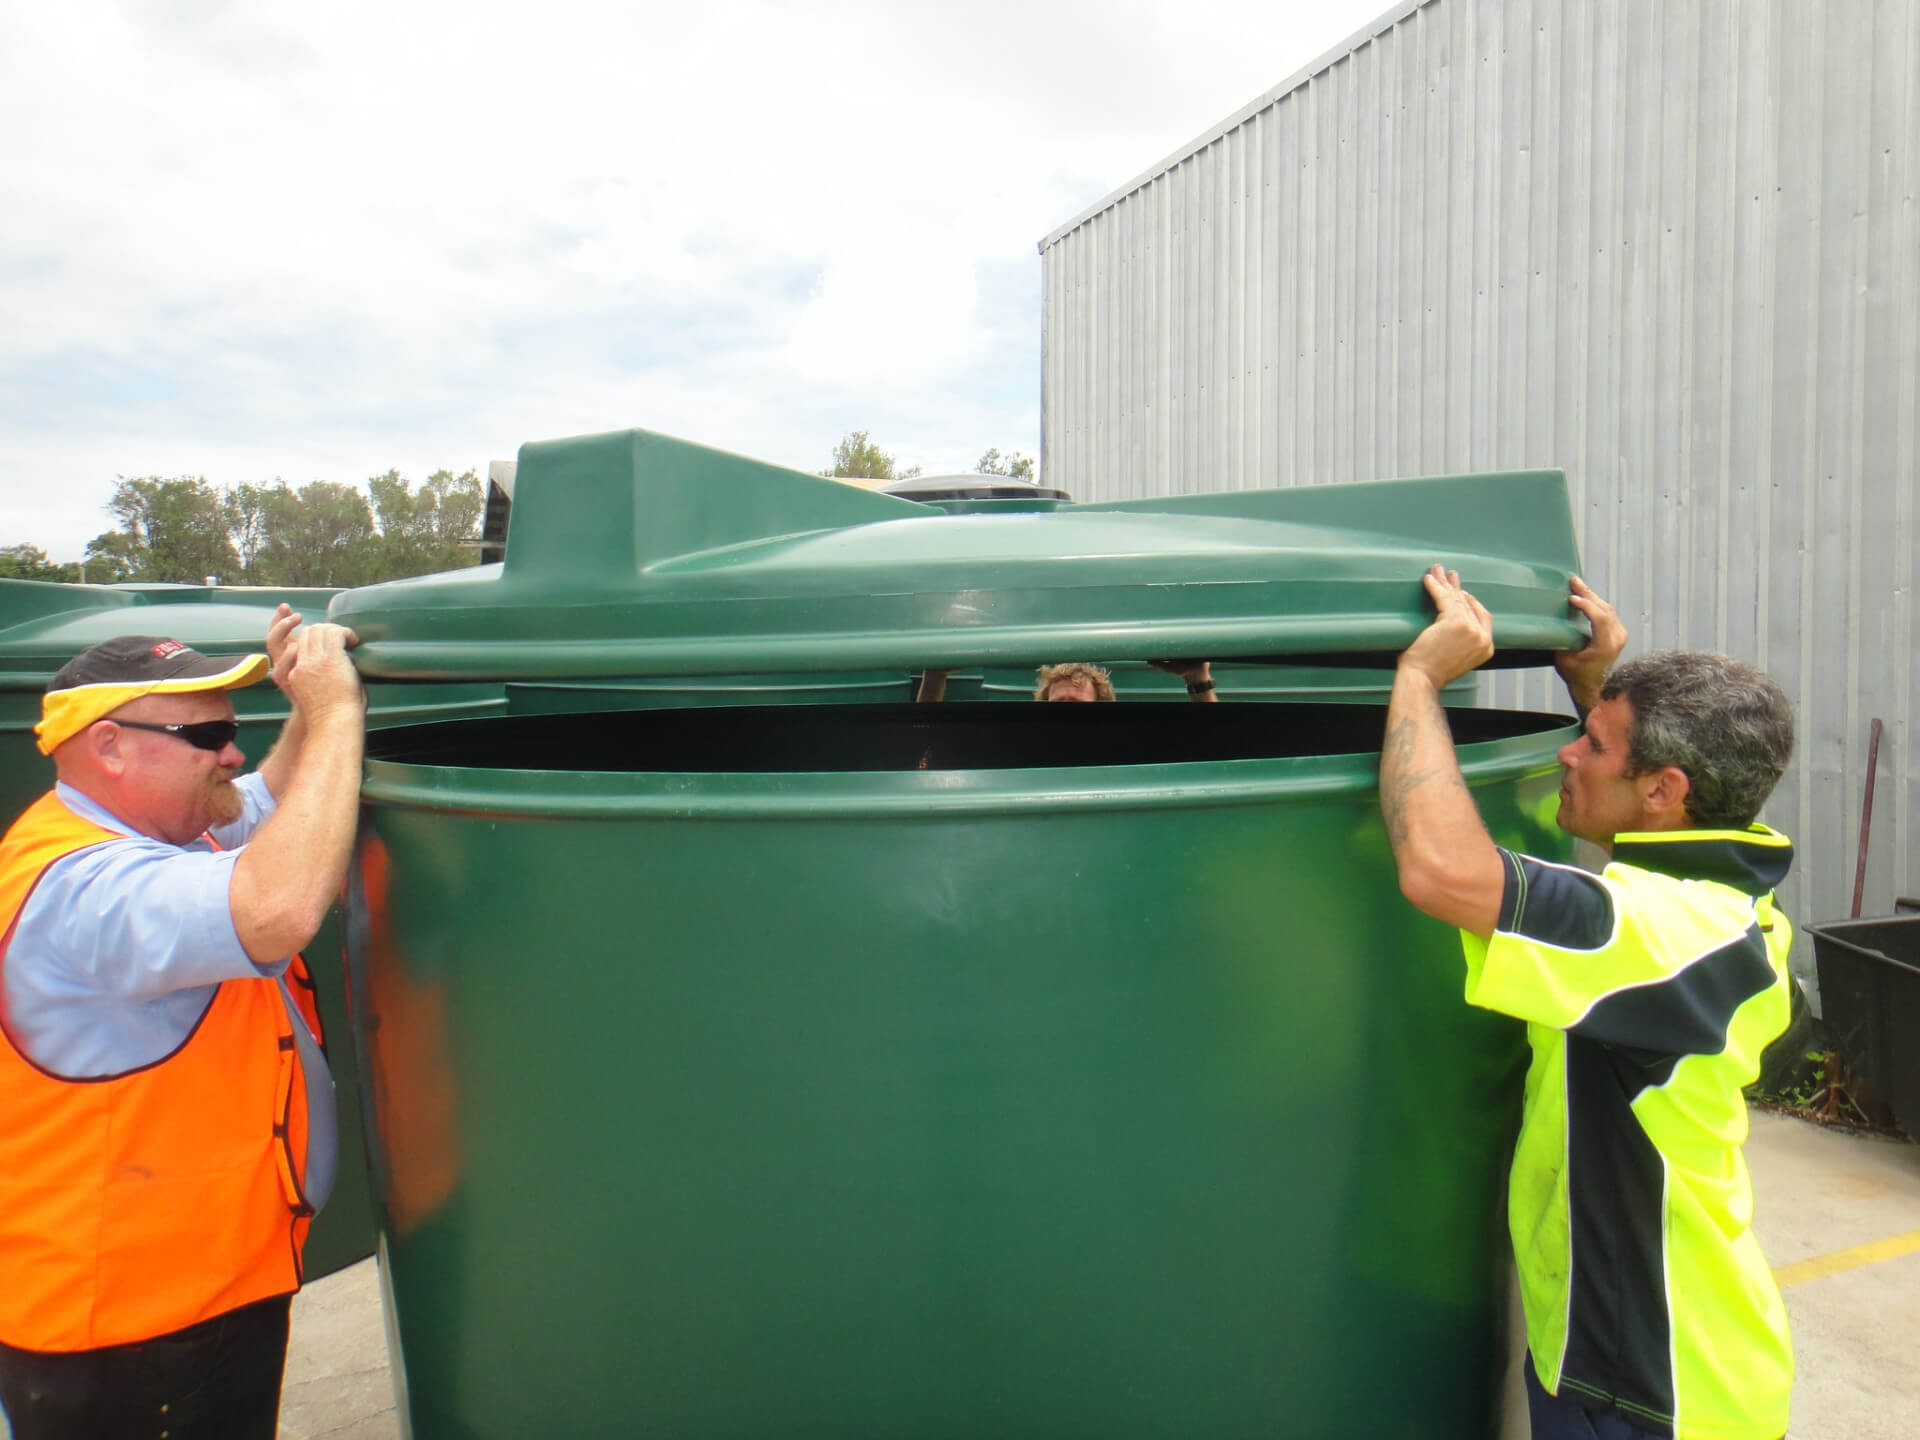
(134,1205)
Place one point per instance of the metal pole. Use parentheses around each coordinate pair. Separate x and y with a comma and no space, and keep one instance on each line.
(1866,817)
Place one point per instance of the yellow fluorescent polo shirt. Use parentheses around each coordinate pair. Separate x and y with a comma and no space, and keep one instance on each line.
(1650,991)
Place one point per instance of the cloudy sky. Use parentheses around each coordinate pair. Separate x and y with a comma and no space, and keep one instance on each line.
(260,240)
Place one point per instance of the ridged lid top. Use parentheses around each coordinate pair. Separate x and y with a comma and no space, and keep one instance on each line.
(43,625)
(633,553)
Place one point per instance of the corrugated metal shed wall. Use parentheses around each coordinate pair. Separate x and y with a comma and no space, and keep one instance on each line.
(1671,247)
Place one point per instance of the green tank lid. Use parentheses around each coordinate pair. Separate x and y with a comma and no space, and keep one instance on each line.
(635,554)
(309,600)
(31,653)
(42,626)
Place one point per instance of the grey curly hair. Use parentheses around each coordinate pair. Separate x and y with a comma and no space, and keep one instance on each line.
(1723,724)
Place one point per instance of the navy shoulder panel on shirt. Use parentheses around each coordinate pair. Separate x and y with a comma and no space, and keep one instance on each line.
(1555,905)
(1689,1012)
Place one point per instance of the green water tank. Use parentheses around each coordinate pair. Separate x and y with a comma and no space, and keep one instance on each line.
(933,1070)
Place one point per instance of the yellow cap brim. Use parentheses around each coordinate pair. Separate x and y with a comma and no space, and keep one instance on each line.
(65,713)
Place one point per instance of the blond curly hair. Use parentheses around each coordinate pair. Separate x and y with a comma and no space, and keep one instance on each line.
(1073,672)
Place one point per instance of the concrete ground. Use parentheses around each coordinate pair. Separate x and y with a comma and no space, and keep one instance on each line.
(1838,1215)
(338,1383)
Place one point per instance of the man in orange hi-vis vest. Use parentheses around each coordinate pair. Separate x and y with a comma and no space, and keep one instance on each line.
(166,1113)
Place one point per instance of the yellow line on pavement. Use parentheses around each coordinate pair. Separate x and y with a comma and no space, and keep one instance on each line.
(1891,1248)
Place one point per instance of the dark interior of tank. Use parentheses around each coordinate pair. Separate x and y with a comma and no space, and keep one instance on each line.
(956,736)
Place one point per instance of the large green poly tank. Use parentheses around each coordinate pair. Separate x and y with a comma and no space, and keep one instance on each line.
(42,626)
(934,1070)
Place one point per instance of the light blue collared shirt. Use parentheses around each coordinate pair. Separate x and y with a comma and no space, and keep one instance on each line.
(118,951)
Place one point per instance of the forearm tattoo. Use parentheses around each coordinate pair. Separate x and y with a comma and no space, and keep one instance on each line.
(1400,771)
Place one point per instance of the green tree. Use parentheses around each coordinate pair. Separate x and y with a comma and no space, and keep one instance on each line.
(460,503)
(244,509)
(324,533)
(171,529)
(857,457)
(321,534)
(29,562)
(111,559)
(1014,465)
(422,531)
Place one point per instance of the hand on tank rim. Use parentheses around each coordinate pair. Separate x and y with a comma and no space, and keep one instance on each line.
(1460,637)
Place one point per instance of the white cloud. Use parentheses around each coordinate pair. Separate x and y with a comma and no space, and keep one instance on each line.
(314,242)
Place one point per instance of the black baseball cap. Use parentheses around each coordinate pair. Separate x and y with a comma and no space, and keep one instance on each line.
(101,679)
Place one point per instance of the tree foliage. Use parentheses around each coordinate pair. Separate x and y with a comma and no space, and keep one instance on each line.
(170,530)
(1014,465)
(857,457)
(320,534)
(29,562)
(421,530)
(182,529)
(244,511)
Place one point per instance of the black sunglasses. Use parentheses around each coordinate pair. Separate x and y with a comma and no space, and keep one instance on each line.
(202,734)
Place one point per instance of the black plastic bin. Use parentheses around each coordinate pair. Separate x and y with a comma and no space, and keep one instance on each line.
(1870,1003)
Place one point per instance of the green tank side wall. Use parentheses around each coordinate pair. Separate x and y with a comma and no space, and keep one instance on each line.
(1124,1102)
(344,1233)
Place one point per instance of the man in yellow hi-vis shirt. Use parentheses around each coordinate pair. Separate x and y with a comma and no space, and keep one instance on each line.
(1649,991)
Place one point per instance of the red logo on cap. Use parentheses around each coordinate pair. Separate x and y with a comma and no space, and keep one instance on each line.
(168,647)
